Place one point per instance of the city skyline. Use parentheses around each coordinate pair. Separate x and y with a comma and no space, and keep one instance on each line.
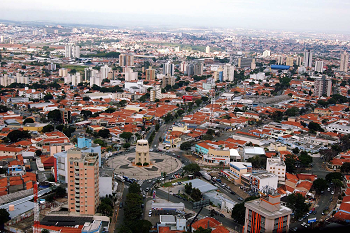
(320,16)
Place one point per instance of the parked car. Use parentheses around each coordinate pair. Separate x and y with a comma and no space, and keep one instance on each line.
(121,205)
(233,193)
(241,199)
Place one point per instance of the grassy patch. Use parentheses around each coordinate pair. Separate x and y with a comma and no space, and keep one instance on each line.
(76,67)
(169,184)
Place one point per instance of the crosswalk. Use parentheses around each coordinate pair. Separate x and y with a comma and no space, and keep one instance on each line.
(140,182)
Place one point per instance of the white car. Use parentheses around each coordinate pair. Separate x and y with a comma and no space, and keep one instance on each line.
(332,192)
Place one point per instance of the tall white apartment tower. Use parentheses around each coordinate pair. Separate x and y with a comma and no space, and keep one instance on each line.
(72,51)
(308,58)
(207,49)
(319,66)
(344,62)
(104,71)
(228,72)
(68,51)
(168,68)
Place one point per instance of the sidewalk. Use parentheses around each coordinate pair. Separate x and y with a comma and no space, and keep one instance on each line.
(113,223)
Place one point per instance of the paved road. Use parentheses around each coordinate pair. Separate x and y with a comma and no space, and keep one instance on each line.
(325,198)
(228,222)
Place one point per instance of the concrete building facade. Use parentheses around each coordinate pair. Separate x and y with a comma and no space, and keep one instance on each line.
(83,181)
(266,215)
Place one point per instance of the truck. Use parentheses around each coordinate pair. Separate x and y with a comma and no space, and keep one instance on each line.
(205,175)
(119,177)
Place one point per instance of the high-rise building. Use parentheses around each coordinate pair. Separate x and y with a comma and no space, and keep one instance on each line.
(253,64)
(150,73)
(323,86)
(266,53)
(83,181)
(299,61)
(72,51)
(189,69)
(126,60)
(198,69)
(142,152)
(207,49)
(90,72)
(155,93)
(104,70)
(229,72)
(1,39)
(344,62)
(319,66)
(76,79)
(183,66)
(308,58)
(95,80)
(168,80)
(168,68)
(63,72)
(280,60)
(130,75)
(51,66)
(266,214)
(289,61)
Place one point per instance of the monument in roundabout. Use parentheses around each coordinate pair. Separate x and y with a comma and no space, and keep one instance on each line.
(142,153)
(143,164)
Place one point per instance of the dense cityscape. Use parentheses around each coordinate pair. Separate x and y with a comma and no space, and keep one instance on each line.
(110,129)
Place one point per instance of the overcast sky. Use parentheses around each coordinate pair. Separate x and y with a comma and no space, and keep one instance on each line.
(300,15)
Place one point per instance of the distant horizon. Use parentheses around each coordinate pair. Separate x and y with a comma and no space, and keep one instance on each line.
(321,16)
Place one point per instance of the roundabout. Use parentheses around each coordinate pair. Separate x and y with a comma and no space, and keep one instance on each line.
(124,165)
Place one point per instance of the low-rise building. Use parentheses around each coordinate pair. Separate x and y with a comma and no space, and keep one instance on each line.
(277,166)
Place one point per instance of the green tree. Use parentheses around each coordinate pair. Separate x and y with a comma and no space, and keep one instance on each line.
(196,194)
(48,97)
(345,168)
(104,133)
(185,145)
(202,230)
(198,102)
(188,188)
(192,168)
(28,120)
(207,137)
(320,185)
(100,142)
(110,110)
(47,129)
(334,176)
(134,188)
(3,108)
(126,145)
(126,135)
(17,135)
(60,127)
(292,111)
(315,126)
(238,213)
(45,231)
(297,203)
(86,113)
(38,153)
(210,132)
(305,159)
(296,150)
(4,216)
(55,115)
